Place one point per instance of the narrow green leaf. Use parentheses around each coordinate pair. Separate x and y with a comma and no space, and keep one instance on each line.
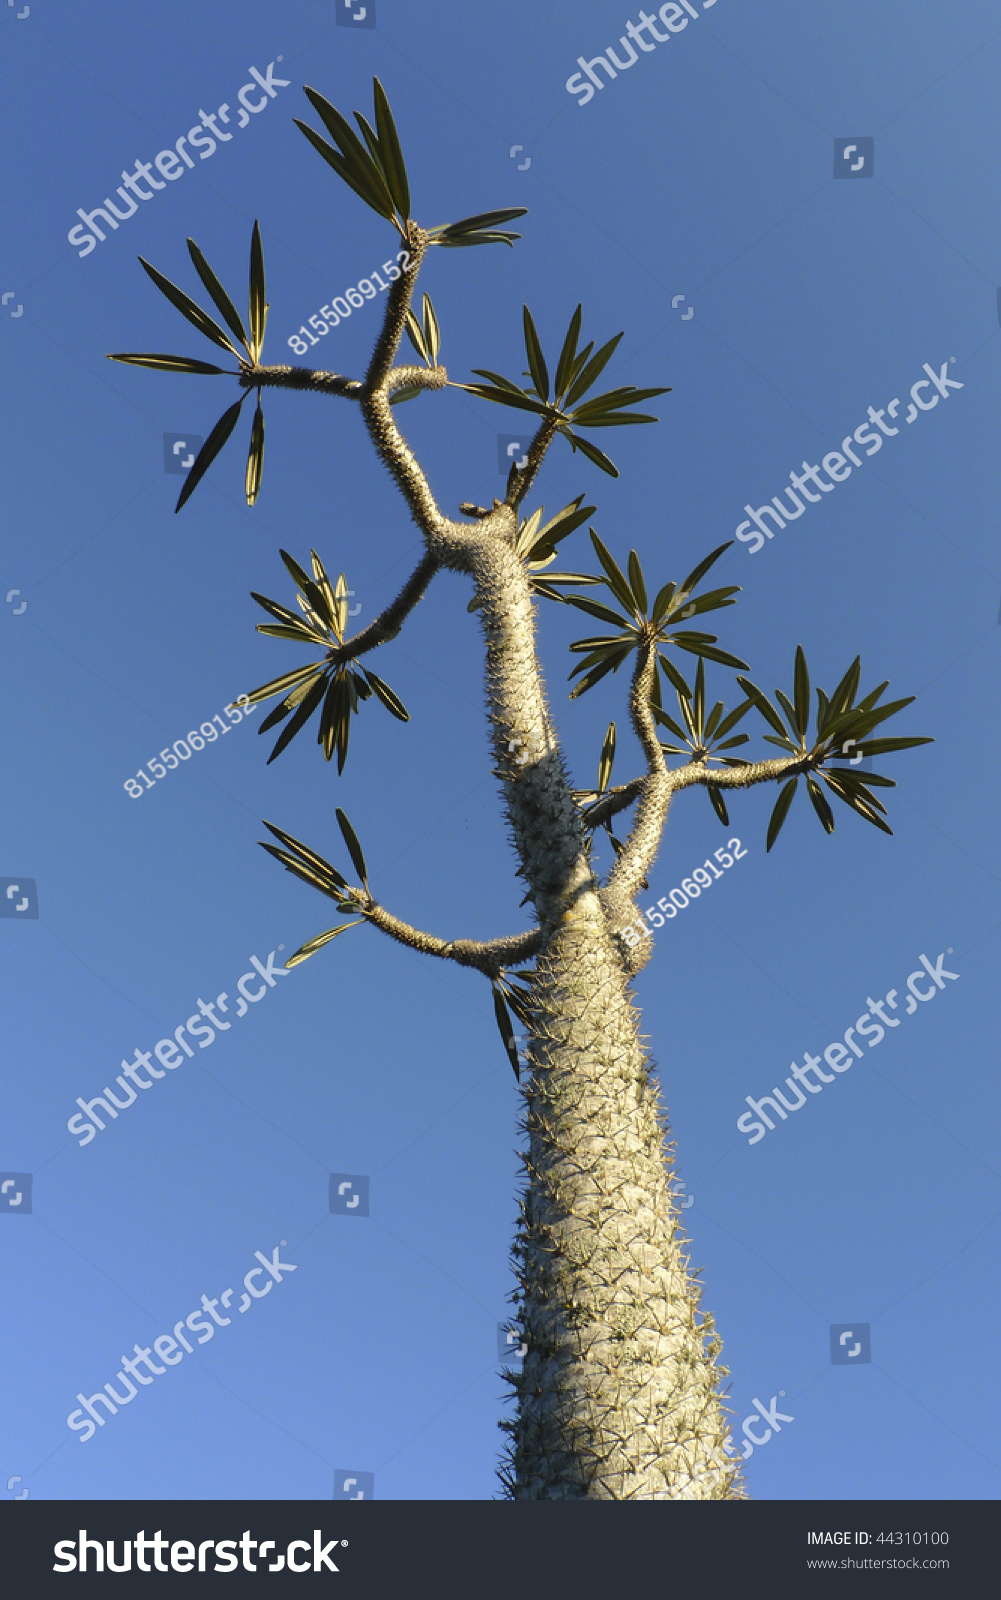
(258,306)
(699,698)
(674,676)
(432,333)
(636,583)
(354,848)
(879,747)
(483,220)
(504,397)
(300,871)
(698,573)
(506,1029)
(500,381)
(209,450)
(780,812)
(730,744)
(277,714)
(536,360)
(689,718)
(820,804)
(661,716)
(712,600)
(223,303)
(415,334)
(662,604)
(187,307)
(310,856)
(564,366)
(391,701)
(597,673)
(300,633)
(300,718)
(330,713)
(606,759)
(476,238)
(612,419)
(255,460)
(591,371)
(733,717)
(712,720)
(324,585)
(595,609)
(286,681)
(372,140)
(762,704)
(591,451)
(312,945)
(610,651)
(718,803)
(161,363)
(847,689)
(392,155)
(357,160)
(604,405)
(615,577)
(790,713)
(801,694)
(298,574)
(374,194)
(710,652)
(578,364)
(280,613)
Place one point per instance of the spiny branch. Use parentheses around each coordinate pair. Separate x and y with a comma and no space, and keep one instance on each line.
(640,849)
(300,378)
(736,777)
(612,802)
(489,957)
(536,454)
(389,622)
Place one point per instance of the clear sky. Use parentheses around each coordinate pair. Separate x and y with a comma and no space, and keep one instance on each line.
(704,170)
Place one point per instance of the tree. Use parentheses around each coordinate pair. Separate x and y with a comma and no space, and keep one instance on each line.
(620,1393)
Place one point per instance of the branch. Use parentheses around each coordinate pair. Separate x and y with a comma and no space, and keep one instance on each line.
(638,853)
(489,957)
(612,802)
(536,455)
(736,777)
(389,622)
(300,378)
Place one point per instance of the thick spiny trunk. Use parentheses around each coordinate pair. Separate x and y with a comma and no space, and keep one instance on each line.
(618,1395)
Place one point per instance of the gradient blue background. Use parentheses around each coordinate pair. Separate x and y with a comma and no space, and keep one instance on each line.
(705,171)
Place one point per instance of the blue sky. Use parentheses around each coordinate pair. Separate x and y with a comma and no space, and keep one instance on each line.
(704,171)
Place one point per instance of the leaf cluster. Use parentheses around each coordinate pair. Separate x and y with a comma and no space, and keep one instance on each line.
(333,686)
(643,623)
(577,370)
(252,343)
(304,863)
(842,723)
(704,732)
